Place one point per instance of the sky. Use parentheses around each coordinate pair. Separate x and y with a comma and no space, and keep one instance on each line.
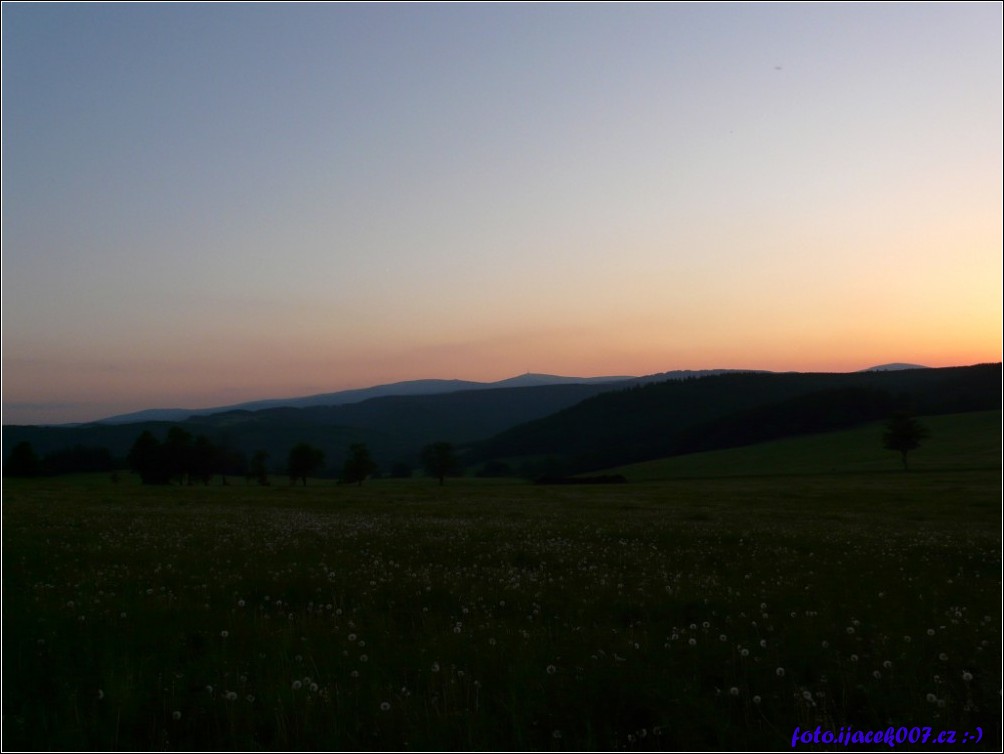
(205,204)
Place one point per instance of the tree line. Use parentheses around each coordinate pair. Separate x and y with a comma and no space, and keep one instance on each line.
(183,458)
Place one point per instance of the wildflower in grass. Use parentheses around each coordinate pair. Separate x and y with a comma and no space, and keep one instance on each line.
(734,691)
(744,652)
(231,696)
(876,674)
(692,642)
(351,637)
(756,699)
(930,632)
(249,698)
(313,688)
(943,657)
(364,658)
(101,695)
(435,667)
(967,676)
(722,637)
(807,695)
(297,685)
(384,706)
(887,664)
(556,734)
(780,672)
(854,658)
(850,630)
(931,698)
(551,670)
(224,634)
(176,715)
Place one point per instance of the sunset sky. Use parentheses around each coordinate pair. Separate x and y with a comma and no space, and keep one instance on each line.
(207,204)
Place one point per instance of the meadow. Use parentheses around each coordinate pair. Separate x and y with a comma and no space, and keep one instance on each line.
(708,611)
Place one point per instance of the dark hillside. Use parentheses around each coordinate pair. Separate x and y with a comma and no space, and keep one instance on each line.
(669,418)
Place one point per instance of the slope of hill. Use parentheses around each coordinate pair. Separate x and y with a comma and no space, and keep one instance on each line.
(956,442)
(393,427)
(670,418)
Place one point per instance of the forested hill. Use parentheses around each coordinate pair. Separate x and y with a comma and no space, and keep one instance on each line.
(671,418)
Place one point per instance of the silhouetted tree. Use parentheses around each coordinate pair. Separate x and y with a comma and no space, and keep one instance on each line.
(439,460)
(304,459)
(205,459)
(903,433)
(22,461)
(147,458)
(358,466)
(178,454)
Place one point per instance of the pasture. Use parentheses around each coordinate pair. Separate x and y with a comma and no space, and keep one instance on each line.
(706,613)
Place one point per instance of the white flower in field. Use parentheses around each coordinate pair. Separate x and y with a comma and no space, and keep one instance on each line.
(779,672)
(176,715)
(692,642)
(249,698)
(744,652)
(850,630)
(361,643)
(907,639)
(354,674)
(756,699)
(435,667)
(224,634)
(807,695)
(364,658)
(101,694)
(297,685)
(556,734)
(722,637)
(854,658)
(551,670)
(351,637)
(384,706)
(209,689)
(876,674)
(966,675)
(240,603)
(763,644)
(930,632)
(313,688)
(734,691)
(231,696)
(826,644)
(931,698)
(943,657)
(887,664)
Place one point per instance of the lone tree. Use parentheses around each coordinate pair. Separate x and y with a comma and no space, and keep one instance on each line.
(438,460)
(903,433)
(304,459)
(358,466)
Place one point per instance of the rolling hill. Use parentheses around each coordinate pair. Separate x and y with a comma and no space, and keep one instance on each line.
(672,418)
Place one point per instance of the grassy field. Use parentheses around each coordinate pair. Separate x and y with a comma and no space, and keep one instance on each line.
(707,613)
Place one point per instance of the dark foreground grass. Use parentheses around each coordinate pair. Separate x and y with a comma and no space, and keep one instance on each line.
(704,614)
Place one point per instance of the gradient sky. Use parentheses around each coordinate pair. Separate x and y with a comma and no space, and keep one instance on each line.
(206,204)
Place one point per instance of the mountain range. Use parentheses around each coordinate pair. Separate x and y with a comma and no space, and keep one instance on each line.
(549,424)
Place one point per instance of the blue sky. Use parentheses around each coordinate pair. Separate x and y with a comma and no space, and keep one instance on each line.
(208,203)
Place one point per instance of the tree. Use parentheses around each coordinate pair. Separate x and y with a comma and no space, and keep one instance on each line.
(903,433)
(438,460)
(304,459)
(147,458)
(358,466)
(22,461)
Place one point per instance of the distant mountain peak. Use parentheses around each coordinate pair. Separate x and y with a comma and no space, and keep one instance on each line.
(893,367)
